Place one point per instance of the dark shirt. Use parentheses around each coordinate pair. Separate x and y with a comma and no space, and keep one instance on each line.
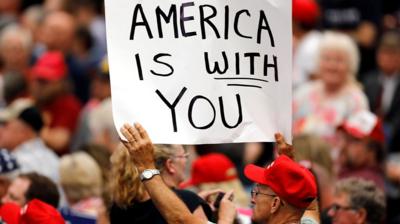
(146,212)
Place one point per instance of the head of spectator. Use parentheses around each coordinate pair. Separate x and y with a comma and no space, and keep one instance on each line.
(305,15)
(84,10)
(388,55)
(10,6)
(31,19)
(171,160)
(9,170)
(126,186)
(80,177)
(22,122)
(49,75)
(283,191)
(338,61)
(15,87)
(357,201)
(15,49)
(313,149)
(29,186)
(101,88)
(363,141)
(216,171)
(58,30)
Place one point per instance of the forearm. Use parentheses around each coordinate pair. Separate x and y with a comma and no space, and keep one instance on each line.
(168,204)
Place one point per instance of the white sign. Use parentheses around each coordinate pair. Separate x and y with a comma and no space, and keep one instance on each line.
(205,71)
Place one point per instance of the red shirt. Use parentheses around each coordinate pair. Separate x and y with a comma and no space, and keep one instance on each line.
(63,112)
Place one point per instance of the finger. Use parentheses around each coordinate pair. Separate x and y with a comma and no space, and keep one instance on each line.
(228,196)
(142,131)
(280,141)
(125,132)
(134,132)
(207,194)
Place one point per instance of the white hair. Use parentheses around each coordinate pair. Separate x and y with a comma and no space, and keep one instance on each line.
(339,41)
(15,31)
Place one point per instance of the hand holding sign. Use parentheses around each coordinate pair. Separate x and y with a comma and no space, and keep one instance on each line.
(139,146)
(283,147)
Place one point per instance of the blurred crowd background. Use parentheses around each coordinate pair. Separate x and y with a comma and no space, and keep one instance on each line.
(59,143)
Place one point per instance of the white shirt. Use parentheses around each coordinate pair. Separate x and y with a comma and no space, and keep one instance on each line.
(35,156)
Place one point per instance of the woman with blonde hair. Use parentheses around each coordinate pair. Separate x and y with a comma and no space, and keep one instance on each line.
(132,203)
(322,105)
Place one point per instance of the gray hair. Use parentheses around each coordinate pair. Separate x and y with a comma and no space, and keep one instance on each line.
(15,31)
(163,152)
(339,41)
(364,194)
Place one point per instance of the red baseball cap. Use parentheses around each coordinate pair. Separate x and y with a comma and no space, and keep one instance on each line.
(305,11)
(50,66)
(289,180)
(364,124)
(39,212)
(211,168)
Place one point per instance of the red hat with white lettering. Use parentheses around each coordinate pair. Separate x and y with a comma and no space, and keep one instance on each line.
(292,182)
(364,124)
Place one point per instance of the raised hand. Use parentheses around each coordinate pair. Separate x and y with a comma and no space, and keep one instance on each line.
(139,146)
(283,147)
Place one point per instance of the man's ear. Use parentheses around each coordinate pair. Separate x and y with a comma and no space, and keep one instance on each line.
(170,166)
(276,203)
(361,215)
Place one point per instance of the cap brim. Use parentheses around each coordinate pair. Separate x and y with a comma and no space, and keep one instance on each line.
(255,174)
(353,131)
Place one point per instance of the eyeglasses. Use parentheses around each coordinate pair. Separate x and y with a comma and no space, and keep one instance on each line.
(336,207)
(183,156)
(254,193)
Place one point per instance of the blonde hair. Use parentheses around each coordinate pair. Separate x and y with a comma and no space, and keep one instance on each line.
(314,149)
(339,41)
(126,187)
(15,31)
(80,176)
(241,197)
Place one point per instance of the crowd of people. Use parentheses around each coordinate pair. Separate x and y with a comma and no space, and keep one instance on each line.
(62,160)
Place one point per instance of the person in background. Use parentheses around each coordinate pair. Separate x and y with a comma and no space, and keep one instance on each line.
(362,153)
(357,201)
(81,180)
(382,86)
(29,186)
(305,17)
(15,50)
(216,171)
(9,170)
(21,136)
(320,106)
(59,107)
(131,200)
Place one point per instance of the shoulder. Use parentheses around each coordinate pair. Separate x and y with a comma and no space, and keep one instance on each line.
(308,220)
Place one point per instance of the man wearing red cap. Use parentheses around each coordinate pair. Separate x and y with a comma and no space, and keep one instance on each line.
(59,107)
(283,191)
(362,152)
